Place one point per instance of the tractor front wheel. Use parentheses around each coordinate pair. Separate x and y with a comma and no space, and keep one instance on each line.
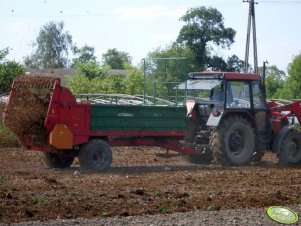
(96,155)
(58,159)
(290,149)
(233,142)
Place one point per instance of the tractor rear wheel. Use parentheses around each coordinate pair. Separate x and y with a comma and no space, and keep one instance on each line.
(290,149)
(96,155)
(58,159)
(233,142)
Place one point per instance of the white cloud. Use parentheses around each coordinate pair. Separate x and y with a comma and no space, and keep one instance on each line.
(153,11)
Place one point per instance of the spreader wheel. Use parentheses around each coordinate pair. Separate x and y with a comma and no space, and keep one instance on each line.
(233,142)
(58,159)
(290,149)
(96,155)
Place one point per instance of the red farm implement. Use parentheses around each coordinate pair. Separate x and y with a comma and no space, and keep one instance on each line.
(46,117)
(226,119)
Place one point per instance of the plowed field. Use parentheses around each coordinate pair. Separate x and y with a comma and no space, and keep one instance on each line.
(138,183)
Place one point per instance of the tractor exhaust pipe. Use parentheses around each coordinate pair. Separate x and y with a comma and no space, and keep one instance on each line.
(263,78)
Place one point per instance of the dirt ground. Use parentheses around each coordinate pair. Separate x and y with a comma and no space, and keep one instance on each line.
(138,183)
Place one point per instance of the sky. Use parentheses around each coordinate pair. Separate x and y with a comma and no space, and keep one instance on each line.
(139,27)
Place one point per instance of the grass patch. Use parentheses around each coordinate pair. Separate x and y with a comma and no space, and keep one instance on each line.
(2,206)
(213,208)
(296,202)
(40,202)
(103,214)
(162,209)
(158,194)
(7,138)
(2,178)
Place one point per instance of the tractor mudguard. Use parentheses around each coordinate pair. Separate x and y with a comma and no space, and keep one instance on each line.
(279,138)
(214,119)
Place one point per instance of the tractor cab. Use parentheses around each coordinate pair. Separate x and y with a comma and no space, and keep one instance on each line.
(225,90)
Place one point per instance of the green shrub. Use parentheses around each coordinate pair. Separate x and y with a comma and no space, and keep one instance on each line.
(9,70)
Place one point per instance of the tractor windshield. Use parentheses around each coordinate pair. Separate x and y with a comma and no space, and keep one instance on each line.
(208,89)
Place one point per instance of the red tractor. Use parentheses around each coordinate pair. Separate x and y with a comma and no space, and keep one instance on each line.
(230,121)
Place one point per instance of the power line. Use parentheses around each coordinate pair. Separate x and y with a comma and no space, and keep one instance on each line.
(280,2)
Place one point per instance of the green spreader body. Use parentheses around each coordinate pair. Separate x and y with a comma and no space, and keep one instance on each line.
(137,118)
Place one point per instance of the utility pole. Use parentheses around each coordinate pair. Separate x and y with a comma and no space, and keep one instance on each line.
(251,23)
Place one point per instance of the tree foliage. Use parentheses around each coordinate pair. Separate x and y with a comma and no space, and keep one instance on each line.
(113,84)
(79,84)
(275,79)
(9,70)
(52,47)
(167,67)
(133,82)
(292,86)
(3,53)
(233,63)
(117,59)
(173,51)
(84,54)
(91,70)
(93,78)
(204,28)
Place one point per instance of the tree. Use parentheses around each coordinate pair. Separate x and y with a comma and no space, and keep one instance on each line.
(117,59)
(91,70)
(9,70)
(274,81)
(173,51)
(162,75)
(79,84)
(52,47)
(133,82)
(84,54)
(292,86)
(216,63)
(113,84)
(204,28)
(235,64)
(178,62)
(3,53)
